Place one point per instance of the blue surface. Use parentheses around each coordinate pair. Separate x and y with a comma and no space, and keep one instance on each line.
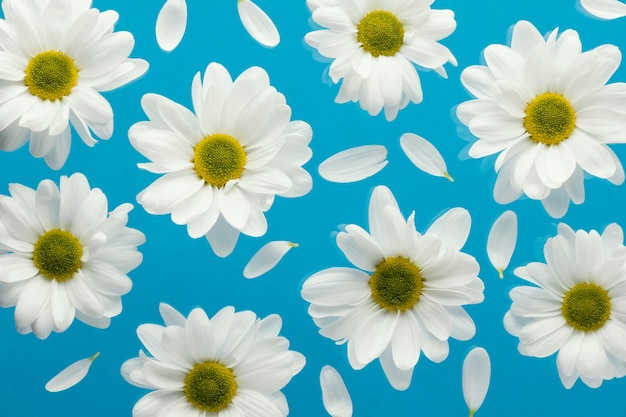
(185,273)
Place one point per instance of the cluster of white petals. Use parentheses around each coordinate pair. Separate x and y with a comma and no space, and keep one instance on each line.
(58,56)
(427,272)
(545,108)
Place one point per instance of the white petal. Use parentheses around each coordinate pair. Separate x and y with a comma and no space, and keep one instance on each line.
(501,241)
(267,258)
(475,379)
(354,164)
(424,155)
(171,24)
(604,9)
(335,395)
(257,23)
(71,375)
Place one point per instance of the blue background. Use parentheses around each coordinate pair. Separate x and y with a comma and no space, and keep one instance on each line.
(185,273)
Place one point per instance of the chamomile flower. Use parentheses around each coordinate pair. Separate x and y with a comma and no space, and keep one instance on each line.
(407,294)
(604,9)
(576,306)
(224,164)
(544,107)
(58,56)
(67,257)
(172,22)
(374,46)
(233,364)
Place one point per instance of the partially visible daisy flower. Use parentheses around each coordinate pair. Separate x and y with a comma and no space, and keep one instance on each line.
(58,56)
(374,46)
(68,257)
(604,9)
(224,164)
(172,22)
(576,307)
(544,106)
(233,364)
(407,294)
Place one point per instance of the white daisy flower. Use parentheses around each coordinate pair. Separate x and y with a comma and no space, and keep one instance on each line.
(374,45)
(545,107)
(604,9)
(58,56)
(67,257)
(224,164)
(577,306)
(172,22)
(407,294)
(233,364)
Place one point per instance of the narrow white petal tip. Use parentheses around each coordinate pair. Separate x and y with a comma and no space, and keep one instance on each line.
(171,24)
(475,378)
(502,240)
(424,155)
(71,375)
(258,24)
(354,164)
(267,258)
(335,395)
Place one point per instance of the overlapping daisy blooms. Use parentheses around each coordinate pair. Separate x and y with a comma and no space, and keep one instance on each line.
(224,164)
(233,364)
(67,256)
(577,305)
(172,23)
(374,44)
(58,56)
(604,9)
(407,295)
(545,108)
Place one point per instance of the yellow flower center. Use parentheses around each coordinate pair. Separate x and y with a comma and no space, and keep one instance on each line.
(51,75)
(210,386)
(219,158)
(550,119)
(380,33)
(57,255)
(586,307)
(396,284)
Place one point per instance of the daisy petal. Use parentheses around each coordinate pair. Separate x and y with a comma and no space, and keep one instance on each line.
(424,155)
(501,241)
(354,164)
(335,395)
(267,258)
(476,376)
(71,375)
(604,9)
(258,23)
(171,24)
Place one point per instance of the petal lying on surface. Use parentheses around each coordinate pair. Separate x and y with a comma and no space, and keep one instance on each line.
(354,164)
(501,241)
(71,375)
(335,395)
(171,24)
(267,258)
(604,9)
(475,379)
(424,155)
(258,23)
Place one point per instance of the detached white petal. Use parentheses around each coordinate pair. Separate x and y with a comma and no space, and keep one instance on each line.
(604,9)
(257,23)
(171,24)
(267,257)
(71,375)
(354,164)
(335,395)
(424,155)
(501,241)
(475,378)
